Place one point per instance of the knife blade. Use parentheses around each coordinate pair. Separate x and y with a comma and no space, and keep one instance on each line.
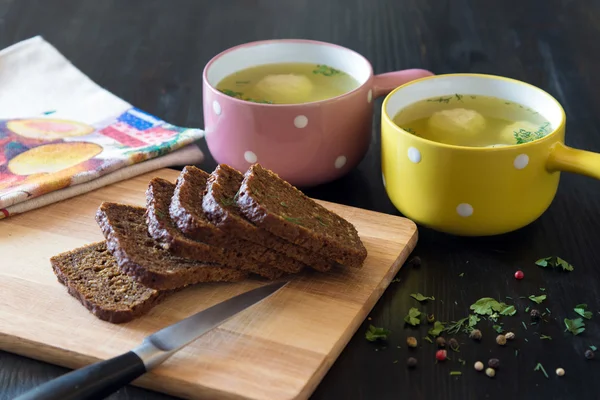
(96,381)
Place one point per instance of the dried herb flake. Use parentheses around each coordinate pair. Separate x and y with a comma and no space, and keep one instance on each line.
(539,367)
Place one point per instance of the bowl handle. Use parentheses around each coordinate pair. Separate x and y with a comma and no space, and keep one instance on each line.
(564,158)
(385,83)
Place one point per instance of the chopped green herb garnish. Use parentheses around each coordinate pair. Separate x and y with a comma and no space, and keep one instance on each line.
(508,297)
(455,373)
(395,280)
(525,136)
(465,324)
(581,309)
(548,310)
(410,130)
(283,204)
(326,70)
(473,320)
(537,299)
(395,362)
(516,353)
(227,201)
(527,309)
(374,333)
(593,348)
(231,93)
(489,306)
(575,326)
(292,220)
(524,326)
(463,362)
(241,82)
(543,289)
(539,367)
(428,339)
(437,329)
(441,100)
(461,274)
(321,221)
(413,317)
(420,297)
(458,96)
(510,310)
(526,340)
(545,337)
(498,328)
(554,262)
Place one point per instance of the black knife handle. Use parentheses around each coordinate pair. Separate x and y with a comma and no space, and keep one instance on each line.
(96,381)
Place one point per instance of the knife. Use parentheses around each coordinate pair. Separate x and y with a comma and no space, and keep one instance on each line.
(96,381)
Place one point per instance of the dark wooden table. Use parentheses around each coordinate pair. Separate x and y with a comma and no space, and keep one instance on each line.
(152,52)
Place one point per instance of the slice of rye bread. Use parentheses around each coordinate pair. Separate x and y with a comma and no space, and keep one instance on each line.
(278,207)
(162,228)
(221,209)
(92,276)
(187,212)
(138,255)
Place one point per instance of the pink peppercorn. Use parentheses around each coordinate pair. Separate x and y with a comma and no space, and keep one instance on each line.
(441,355)
(519,275)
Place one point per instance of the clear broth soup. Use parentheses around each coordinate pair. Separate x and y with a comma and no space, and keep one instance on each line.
(287,83)
(473,121)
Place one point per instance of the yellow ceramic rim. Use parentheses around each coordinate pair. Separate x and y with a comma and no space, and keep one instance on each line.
(401,131)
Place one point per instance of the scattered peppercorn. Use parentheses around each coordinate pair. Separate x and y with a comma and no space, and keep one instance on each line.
(454,344)
(560,371)
(535,315)
(501,340)
(493,363)
(479,366)
(411,341)
(475,334)
(589,354)
(509,335)
(415,261)
(519,275)
(431,318)
(411,362)
(491,372)
(441,355)
(441,342)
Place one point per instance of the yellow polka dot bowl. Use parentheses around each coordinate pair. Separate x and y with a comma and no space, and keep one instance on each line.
(476,191)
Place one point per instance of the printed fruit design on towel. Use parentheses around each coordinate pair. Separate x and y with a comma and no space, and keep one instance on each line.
(43,129)
(53,157)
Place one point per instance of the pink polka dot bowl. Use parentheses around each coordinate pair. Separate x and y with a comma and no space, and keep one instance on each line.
(306,144)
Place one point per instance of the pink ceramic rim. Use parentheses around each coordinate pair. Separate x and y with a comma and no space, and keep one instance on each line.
(252,44)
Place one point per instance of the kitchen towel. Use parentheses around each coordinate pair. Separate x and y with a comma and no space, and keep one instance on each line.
(62,135)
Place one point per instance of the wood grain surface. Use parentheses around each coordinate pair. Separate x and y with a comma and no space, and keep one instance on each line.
(152,52)
(278,349)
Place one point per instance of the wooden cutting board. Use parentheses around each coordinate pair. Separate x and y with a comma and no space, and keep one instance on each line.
(279,349)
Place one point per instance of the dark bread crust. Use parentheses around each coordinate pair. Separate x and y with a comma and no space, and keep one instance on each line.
(162,228)
(140,256)
(187,212)
(278,207)
(92,276)
(221,209)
